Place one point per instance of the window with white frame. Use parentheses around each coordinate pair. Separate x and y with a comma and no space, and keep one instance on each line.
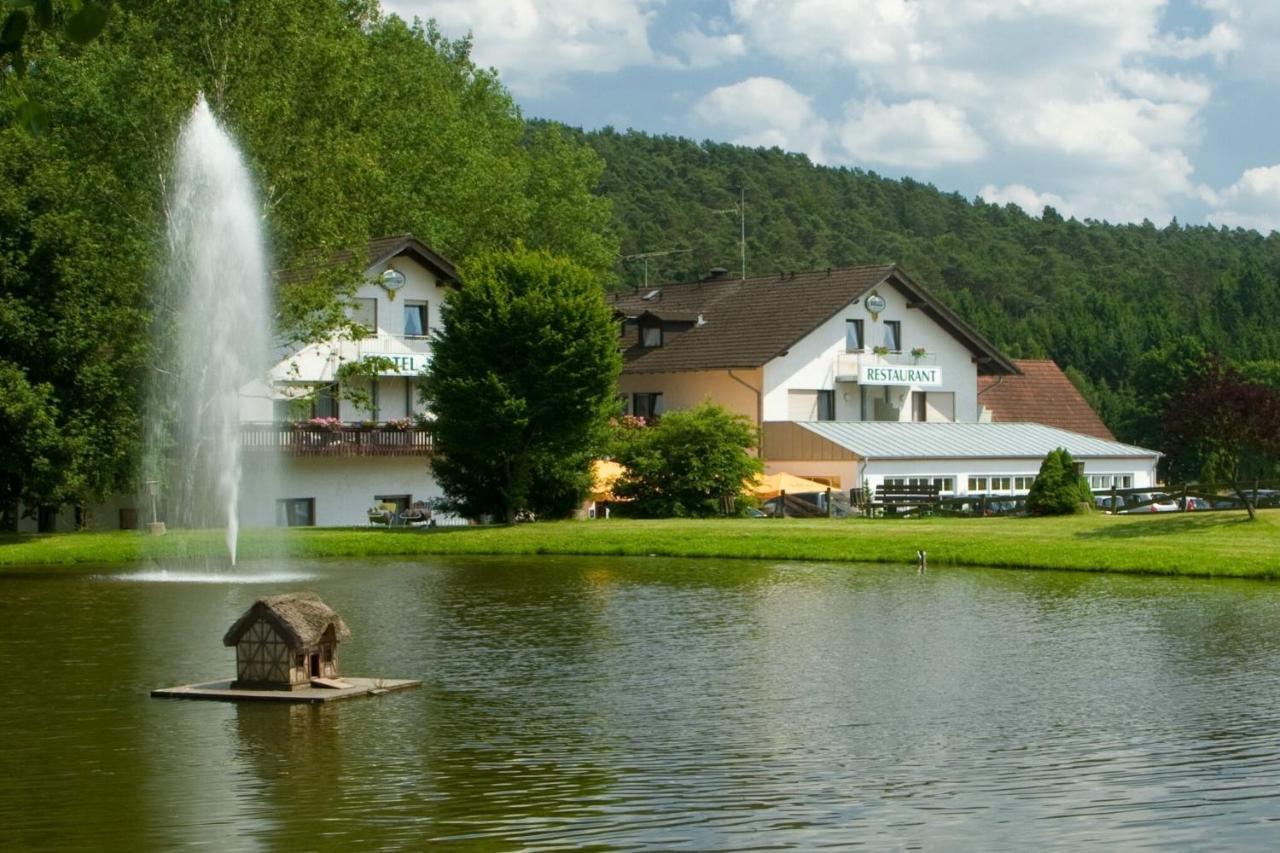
(1110,481)
(944,485)
(998,484)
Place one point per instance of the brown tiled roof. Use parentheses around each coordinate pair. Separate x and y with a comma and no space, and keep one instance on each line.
(1041,394)
(378,250)
(747,322)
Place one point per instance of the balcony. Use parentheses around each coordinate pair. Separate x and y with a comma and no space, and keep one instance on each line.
(340,441)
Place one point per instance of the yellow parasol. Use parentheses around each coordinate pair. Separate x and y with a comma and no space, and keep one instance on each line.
(769,486)
(604,472)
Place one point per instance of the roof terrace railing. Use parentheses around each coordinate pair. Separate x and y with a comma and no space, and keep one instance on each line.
(382,439)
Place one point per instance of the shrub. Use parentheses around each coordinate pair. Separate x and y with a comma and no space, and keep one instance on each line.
(686,463)
(1057,489)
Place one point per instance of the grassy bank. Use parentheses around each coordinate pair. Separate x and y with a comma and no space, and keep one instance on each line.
(1209,544)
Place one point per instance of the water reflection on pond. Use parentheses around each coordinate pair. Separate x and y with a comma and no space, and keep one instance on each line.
(651,703)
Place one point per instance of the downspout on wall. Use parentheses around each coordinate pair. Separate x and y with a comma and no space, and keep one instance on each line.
(759,411)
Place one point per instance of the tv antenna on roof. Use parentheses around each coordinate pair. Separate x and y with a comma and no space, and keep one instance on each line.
(741,209)
(645,256)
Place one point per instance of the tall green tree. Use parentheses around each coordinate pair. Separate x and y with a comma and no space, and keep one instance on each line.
(31,454)
(522,383)
(355,124)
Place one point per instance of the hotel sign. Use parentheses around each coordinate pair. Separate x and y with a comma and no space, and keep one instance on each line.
(406,363)
(890,374)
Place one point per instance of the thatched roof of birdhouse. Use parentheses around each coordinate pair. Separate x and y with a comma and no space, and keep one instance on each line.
(300,617)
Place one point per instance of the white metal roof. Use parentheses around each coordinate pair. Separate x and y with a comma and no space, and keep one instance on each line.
(898,440)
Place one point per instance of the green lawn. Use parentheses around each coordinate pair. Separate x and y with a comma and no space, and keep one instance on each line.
(1212,544)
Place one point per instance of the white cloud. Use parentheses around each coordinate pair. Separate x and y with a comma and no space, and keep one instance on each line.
(1219,43)
(1157,86)
(1253,201)
(536,43)
(1098,104)
(1026,198)
(1245,38)
(703,50)
(1078,93)
(765,111)
(836,32)
(917,133)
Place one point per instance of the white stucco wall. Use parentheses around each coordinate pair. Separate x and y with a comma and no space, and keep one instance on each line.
(814,362)
(1142,469)
(343,489)
(99,516)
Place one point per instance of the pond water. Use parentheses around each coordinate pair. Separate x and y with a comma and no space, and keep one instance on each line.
(659,704)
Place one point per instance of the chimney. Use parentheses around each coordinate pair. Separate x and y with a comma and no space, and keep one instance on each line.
(717,273)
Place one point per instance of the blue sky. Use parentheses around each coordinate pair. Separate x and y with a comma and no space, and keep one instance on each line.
(1106,109)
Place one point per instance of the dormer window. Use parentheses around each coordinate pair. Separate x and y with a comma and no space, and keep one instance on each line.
(651,336)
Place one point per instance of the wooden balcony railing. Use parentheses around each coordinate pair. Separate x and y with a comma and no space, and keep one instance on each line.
(346,440)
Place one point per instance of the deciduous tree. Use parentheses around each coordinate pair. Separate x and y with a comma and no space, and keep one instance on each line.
(522,383)
(1231,425)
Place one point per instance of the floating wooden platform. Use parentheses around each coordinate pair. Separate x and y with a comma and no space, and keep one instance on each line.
(220,691)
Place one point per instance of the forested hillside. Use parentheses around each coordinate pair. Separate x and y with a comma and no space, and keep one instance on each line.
(1123,307)
(353,125)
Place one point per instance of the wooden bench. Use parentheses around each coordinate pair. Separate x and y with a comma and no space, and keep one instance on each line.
(909,498)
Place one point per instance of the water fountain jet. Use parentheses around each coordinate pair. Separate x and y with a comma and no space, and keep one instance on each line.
(214,310)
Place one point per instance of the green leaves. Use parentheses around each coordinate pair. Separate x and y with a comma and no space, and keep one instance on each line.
(685,463)
(522,382)
(86,22)
(43,13)
(1057,490)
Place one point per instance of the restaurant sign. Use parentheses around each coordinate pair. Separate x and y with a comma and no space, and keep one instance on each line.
(890,374)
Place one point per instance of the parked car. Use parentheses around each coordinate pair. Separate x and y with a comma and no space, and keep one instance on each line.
(1006,506)
(1150,502)
(1267,497)
(1191,503)
(1103,502)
